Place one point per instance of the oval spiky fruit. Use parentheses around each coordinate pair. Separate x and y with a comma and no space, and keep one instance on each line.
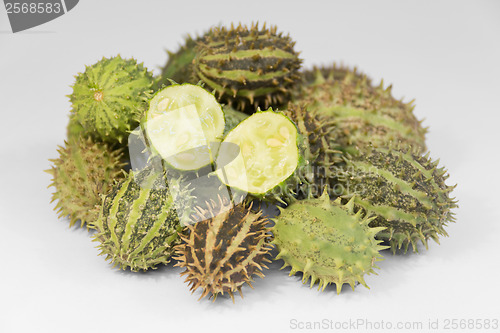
(327,241)
(138,223)
(406,191)
(182,124)
(269,160)
(84,171)
(109,98)
(362,114)
(248,67)
(224,250)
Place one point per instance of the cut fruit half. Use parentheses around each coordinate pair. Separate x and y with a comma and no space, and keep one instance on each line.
(184,123)
(268,156)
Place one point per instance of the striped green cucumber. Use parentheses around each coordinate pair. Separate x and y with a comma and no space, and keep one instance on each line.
(248,67)
(404,190)
(138,223)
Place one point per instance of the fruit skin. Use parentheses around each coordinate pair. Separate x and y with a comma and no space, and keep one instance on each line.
(179,66)
(404,190)
(248,67)
(74,130)
(110,97)
(224,250)
(327,241)
(138,224)
(362,114)
(233,118)
(84,171)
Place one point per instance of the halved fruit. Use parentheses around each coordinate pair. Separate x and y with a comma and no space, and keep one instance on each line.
(182,124)
(268,156)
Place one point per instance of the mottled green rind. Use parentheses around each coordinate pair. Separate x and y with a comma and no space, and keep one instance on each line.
(326,241)
(247,67)
(363,115)
(84,171)
(109,98)
(138,225)
(404,190)
(225,249)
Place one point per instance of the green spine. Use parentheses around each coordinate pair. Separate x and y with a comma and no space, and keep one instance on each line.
(406,192)
(110,97)
(84,171)
(327,241)
(138,225)
(224,250)
(362,114)
(248,67)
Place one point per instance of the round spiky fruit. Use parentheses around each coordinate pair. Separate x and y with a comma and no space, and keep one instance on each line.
(84,171)
(268,160)
(362,114)
(404,190)
(179,66)
(138,223)
(248,67)
(182,124)
(224,250)
(110,97)
(326,241)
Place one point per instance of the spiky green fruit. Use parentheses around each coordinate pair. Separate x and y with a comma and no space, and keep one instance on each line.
(84,171)
(326,241)
(110,97)
(184,125)
(404,190)
(362,114)
(138,222)
(179,66)
(223,251)
(268,162)
(248,67)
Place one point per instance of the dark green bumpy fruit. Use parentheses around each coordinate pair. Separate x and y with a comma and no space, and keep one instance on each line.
(138,224)
(110,97)
(248,67)
(326,241)
(362,114)
(84,171)
(406,192)
(224,250)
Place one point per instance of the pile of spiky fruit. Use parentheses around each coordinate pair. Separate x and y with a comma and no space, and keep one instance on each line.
(342,159)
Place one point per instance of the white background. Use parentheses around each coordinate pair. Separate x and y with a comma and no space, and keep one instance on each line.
(445,54)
